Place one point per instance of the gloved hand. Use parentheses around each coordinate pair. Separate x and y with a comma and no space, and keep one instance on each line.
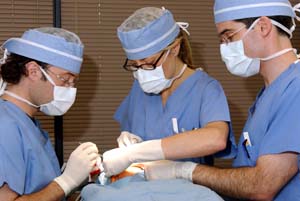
(117,160)
(166,169)
(126,139)
(81,162)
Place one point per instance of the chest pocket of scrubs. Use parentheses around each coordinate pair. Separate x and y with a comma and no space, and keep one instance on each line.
(251,152)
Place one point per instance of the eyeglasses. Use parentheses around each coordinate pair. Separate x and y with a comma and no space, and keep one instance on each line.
(227,38)
(129,65)
(65,79)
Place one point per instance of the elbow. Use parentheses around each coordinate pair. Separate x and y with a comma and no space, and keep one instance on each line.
(264,192)
(264,196)
(220,138)
(216,146)
(220,144)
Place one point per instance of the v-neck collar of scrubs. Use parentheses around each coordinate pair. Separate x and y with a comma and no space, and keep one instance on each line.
(177,95)
(275,84)
(27,121)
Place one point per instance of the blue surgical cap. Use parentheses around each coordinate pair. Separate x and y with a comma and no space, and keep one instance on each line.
(151,38)
(47,48)
(227,10)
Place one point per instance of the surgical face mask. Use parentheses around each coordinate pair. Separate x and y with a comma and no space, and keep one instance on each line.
(238,63)
(63,99)
(154,81)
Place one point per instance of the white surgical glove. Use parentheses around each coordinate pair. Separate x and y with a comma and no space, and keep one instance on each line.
(126,139)
(166,169)
(117,160)
(81,162)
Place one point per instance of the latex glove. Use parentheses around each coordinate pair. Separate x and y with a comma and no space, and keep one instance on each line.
(126,139)
(81,162)
(117,160)
(166,169)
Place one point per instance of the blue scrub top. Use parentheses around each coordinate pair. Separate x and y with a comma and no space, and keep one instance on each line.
(273,126)
(198,101)
(28,162)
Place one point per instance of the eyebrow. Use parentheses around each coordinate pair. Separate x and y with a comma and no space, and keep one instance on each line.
(224,31)
(69,73)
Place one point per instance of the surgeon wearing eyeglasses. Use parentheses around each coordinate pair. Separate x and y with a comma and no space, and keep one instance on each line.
(255,39)
(38,73)
(174,109)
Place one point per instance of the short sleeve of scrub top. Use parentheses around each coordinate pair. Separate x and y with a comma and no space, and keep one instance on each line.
(213,109)
(213,102)
(283,132)
(12,164)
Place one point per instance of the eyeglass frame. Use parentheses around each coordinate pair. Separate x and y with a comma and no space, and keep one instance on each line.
(141,66)
(64,80)
(227,39)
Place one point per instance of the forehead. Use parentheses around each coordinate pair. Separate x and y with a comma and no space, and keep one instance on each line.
(153,56)
(226,26)
(58,70)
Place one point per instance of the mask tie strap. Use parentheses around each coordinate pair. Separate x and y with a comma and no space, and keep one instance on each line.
(288,31)
(296,52)
(47,76)
(184,26)
(251,27)
(4,57)
(296,9)
(3,84)
(20,98)
(277,54)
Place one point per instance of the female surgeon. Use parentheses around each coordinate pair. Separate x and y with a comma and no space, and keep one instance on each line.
(174,110)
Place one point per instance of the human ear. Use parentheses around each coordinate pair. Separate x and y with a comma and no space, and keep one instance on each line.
(265,26)
(32,70)
(175,49)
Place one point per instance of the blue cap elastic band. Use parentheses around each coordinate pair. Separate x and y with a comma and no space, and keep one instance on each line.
(227,10)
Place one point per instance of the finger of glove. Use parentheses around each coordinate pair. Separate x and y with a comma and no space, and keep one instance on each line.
(123,140)
(130,139)
(90,150)
(127,140)
(89,160)
(82,161)
(136,139)
(83,146)
(120,139)
(93,158)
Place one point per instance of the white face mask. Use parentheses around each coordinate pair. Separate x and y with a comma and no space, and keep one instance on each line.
(238,63)
(63,99)
(154,81)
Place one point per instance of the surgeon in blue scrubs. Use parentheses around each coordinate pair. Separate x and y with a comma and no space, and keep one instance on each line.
(38,73)
(174,109)
(256,38)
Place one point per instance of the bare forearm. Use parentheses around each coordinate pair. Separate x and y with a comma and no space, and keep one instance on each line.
(52,192)
(247,183)
(262,182)
(196,143)
(238,183)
